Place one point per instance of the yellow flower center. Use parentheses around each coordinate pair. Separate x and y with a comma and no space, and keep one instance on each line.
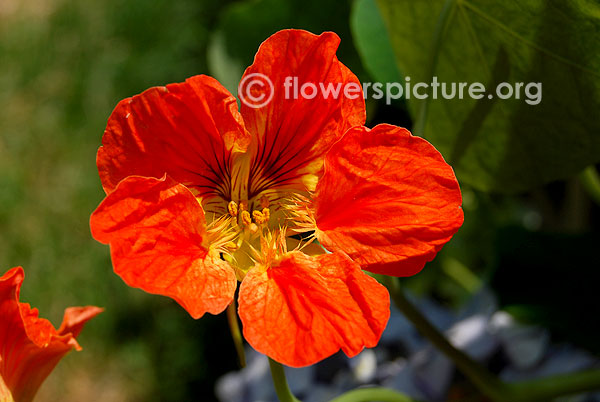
(253,218)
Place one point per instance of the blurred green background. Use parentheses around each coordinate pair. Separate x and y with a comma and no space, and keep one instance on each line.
(531,229)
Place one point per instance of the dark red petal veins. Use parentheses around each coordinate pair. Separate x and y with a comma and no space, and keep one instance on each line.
(290,136)
(187,130)
(304,309)
(156,231)
(387,199)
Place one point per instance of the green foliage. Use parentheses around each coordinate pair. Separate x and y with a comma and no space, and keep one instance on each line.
(65,64)
(372,42)
(63,68)
(506,145)
(244,25)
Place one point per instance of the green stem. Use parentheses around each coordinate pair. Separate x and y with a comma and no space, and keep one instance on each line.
(545,389)
(483,379)
(461,274)
(440,29)
(281,386)
(590,181)
(372,394)
(234,327)
(542,389)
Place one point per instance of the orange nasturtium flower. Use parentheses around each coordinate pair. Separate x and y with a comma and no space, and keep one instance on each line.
(30,347)
(201,196)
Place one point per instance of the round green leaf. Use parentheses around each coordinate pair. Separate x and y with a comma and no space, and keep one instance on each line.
(506,145)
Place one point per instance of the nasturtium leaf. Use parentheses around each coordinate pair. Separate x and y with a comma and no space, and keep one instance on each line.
(506,145)
(372,42)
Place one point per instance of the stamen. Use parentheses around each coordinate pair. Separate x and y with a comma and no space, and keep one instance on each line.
(220,236)
(301,213)
(267,213)
(259,217)
(282,242)
(272,247)
(231,246)
(264,201)
(232,207)
(253,228)
(246,219)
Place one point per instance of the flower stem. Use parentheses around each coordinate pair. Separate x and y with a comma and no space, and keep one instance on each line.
(461,274)
(234,327)
(590,180)
(483,379)
(548,388)
(279,381)
(543,389)
(371,394)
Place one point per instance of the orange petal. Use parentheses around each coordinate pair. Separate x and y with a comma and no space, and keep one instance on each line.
(387,199)
(157,232)
(30,347)
(187,130)
(304,309)
(290,136)
(74,319)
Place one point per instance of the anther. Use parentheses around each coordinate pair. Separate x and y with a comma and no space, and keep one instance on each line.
(246,219)
(232,207)
(267,213)
(264,201)
(259,217)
